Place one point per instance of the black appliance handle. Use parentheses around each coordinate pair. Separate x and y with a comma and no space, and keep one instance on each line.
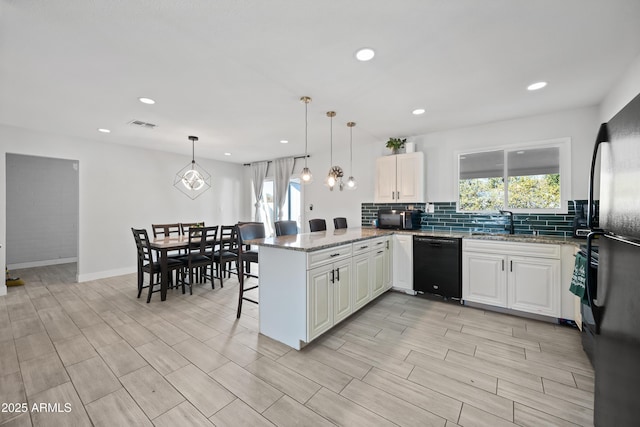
(595,309)
(603,136)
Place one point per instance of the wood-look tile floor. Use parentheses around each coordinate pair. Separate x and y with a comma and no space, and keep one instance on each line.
(109,359)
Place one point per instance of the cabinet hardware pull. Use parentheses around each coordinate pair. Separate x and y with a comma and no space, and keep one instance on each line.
(333,276)
(398,196)
(338,274)
(511,266)
(393,195)
(364,247)
(380,252)
(334,255)
(502,265)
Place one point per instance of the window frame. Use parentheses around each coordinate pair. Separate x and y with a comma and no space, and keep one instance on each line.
(564,146)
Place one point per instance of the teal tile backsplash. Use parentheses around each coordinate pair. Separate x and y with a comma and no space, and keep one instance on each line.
(445,218)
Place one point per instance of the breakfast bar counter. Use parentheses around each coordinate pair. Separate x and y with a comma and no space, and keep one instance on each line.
(310,282)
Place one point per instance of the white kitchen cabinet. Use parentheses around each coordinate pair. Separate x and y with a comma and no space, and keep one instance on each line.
(306,293)
(514,275)
(400,178)
(484,279)
(534,285)
(402,276)
(361,280)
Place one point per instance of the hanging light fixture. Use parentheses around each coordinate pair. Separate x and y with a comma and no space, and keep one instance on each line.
(351,182)
(306,176)
(192,180)
(334,177)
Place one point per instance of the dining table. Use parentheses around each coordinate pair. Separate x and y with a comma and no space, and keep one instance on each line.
(164,245)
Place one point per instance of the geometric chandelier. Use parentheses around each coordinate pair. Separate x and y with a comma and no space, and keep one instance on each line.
(192,180)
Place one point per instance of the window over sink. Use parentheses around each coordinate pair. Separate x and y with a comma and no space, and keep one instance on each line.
(533,177)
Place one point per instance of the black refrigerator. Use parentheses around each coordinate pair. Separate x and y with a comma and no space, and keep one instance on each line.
(616,301)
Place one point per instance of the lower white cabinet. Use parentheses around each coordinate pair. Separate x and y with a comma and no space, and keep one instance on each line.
(329,296)
(337,288)
(403,262)
(518,276)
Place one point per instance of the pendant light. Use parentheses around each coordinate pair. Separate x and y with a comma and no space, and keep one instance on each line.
(192,180)
(306,176)
(351,182)
(334,177)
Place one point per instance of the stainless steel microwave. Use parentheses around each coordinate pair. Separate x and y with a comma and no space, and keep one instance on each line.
(398,220)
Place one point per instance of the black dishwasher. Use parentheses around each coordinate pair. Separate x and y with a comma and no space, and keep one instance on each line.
(437,265)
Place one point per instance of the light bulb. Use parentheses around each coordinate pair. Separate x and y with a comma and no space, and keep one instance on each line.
(306,176)
(331,180)
(351,183)
(192,180)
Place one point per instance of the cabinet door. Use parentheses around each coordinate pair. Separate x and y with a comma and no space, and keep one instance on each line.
(387,264)
(342,301)
(484,278)
(377,273)
(403,262)
(361,279)
(410,177)
(534,285)
(385,187)
(319,301)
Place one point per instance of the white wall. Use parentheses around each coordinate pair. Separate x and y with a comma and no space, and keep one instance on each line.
(627,87)
(580,125)
(123,187)
(42,211)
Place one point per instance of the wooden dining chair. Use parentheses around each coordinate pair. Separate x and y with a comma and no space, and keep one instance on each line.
(226,253)
(165,230)
(246,256)
(286,228)
(147,264)
(196,257)
(339,222)
(317,224)
(184,226)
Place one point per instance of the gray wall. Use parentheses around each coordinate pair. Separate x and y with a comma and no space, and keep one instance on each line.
(42,210)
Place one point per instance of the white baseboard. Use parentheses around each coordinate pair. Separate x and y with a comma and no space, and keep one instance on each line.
(41,263)
(87,277)
(3,290)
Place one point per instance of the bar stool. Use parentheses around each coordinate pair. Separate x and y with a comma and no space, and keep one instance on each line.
(317,224)
(286,228)
(339,222)
(247,231)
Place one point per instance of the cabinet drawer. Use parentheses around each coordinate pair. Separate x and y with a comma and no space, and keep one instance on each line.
(324,256)
(541,250)
(369,245)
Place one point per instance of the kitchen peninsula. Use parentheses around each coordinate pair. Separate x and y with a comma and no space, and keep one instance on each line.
(310,282)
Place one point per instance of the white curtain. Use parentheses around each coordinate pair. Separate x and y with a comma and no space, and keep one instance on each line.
(259,171)
(282,174)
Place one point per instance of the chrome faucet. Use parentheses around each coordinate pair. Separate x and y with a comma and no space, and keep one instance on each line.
(511,228)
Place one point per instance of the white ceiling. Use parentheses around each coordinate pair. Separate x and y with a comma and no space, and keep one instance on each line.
(232,72)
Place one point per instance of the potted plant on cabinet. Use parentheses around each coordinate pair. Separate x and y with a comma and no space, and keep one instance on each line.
(395,144)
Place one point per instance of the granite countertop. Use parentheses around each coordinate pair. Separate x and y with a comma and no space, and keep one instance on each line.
(309,242)
(503,237)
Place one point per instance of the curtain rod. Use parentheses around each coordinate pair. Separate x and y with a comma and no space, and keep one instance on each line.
(269,161)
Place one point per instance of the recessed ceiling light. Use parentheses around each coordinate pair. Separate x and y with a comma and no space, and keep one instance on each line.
(536,86)
(146,100)
(520,152)
(284,141)
(365,54)
(418,111)
(103,130)
(227,154)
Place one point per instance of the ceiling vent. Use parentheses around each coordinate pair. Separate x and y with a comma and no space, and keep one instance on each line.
(142,124)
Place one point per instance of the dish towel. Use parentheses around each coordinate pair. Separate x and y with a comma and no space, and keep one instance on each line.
(579,279)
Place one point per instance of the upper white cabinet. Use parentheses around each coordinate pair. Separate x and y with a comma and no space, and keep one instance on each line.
(400,178)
